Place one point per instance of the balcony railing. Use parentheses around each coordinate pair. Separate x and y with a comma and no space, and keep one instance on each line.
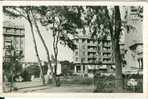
(92,56)
(92,50)
(13,34)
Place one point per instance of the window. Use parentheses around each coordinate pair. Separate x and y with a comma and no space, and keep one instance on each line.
(21,46)
(76,58)
(106,54)
(88,41)
(83,60)
(17,40)
(8,30)
(140,61)
(106,59)
(77,40)
(83,40)
(83,67)
(22,31)
(83,47)
(7,53)
(76,53)
(133,9)
(4,30)
(106,48)
(7,44)
(18,31)
(7,38)
(78,69)
(21,41)
(7,59)
(83,53)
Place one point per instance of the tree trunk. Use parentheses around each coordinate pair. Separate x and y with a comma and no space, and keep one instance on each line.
(45,46)
(117,57)
(55,57)
(56,63)
(55,48)
(115,29)
(116,50)
(36,50)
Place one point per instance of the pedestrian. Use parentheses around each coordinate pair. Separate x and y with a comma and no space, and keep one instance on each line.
(49,78)
(58,83)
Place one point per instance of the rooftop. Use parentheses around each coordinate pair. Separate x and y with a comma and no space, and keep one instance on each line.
(9,24)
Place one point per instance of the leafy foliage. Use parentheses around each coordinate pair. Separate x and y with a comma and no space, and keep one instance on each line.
(66,20)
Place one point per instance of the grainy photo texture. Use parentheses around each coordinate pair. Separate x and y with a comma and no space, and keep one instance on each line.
(93,49)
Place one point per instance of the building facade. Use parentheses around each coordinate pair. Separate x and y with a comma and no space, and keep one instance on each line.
(91,55)
(134,40)
(13,40)
(87,56)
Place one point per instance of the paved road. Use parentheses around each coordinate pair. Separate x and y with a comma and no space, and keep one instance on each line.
(53,89)
(36,86)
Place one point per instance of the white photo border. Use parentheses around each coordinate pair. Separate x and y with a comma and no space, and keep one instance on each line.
(82,95)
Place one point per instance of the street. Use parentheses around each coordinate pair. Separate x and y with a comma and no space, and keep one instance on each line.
(36,86)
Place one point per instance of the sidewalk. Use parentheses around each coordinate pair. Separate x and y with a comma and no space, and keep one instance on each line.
(36,86)
(54,89)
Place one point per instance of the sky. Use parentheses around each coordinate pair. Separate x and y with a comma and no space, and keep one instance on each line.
(65,53)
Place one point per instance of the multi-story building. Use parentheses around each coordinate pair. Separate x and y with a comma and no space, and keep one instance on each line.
(13,40)
(134,40)
(88,57)
(13,48)
(91,55)
(106,56)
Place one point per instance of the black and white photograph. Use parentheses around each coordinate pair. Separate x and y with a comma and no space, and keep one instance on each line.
(73,49)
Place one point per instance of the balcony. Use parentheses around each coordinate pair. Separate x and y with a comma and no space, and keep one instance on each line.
(92,60)
(91,50)
(91,53)
(107,56)
(107,60)
(13,34)
(92,43)
(92,56)
(107,50)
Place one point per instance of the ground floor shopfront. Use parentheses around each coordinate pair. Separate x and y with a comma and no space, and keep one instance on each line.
(90,69)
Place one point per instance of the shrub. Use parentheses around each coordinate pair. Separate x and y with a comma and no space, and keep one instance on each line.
(104,83)
(77,80)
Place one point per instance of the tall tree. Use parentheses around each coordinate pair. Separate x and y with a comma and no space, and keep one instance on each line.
(62,23)
(107,22)
(115,38)
(24,12)
(43,42)
(36,50)
(61,26)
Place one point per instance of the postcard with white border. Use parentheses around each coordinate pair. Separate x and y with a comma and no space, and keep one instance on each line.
(74,48)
